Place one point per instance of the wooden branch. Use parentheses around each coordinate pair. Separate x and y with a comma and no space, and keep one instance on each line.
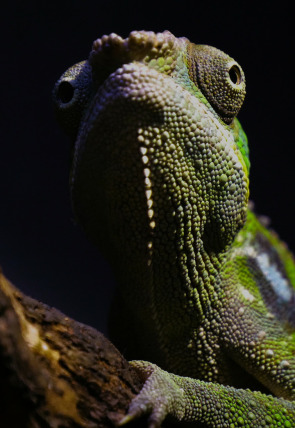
(56,372)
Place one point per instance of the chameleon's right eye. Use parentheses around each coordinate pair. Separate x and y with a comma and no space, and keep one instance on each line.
(65,92)
(219,78)
(71,96)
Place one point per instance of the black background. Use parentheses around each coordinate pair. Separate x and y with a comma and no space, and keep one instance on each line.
(41,249)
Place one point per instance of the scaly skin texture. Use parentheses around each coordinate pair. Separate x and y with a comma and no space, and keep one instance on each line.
(160,182)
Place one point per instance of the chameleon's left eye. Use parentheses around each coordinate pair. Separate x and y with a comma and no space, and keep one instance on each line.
(220,79)
(235,74)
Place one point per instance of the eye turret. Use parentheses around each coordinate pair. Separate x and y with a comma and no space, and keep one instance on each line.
(220,79)
(71,96)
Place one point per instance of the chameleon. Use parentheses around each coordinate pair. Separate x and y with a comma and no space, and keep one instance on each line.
(159,181)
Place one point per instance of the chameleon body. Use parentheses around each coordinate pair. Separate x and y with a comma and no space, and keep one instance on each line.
(160,182)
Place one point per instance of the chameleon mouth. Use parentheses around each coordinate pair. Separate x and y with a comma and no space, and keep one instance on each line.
(110,52)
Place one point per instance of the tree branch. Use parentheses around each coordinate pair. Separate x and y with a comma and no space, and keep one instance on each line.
(56,372)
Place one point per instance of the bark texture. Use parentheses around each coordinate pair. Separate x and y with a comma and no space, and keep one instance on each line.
(56,372)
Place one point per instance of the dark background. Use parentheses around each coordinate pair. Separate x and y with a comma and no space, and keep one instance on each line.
(41,249)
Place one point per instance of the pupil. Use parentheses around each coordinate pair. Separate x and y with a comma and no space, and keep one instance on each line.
(235,75)
(65,92)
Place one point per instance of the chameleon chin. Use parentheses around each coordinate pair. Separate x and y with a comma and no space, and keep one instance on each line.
(160,182)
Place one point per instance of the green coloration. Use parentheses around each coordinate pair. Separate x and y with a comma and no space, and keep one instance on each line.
(241,141)
(160,182)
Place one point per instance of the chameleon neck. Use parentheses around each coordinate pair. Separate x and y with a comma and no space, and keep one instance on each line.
(168,262)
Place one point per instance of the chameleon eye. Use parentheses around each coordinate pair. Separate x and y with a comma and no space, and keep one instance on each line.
(235,74)
(65,92)
(219,78)
(71,95)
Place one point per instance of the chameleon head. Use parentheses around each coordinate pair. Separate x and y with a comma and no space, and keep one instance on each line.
(160,163)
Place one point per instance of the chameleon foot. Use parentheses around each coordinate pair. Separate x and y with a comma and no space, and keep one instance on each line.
(159,397)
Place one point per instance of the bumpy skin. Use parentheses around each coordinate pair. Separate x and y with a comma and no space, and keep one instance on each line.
(160,182)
